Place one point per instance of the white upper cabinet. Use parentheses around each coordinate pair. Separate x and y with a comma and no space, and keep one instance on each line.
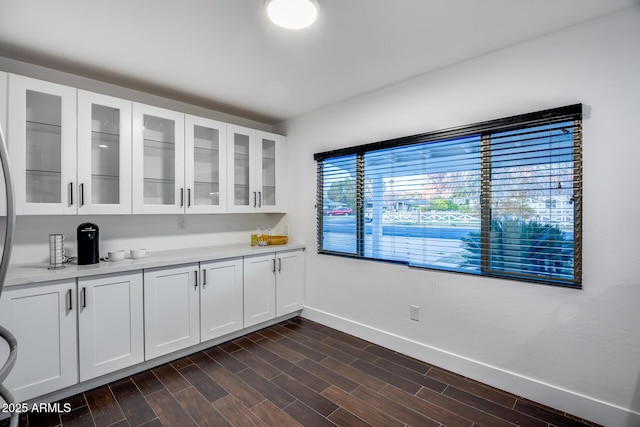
(271,152)
(256,171)
(104,154)
(242,196)
(205,165)
(179,162)
(78,152)
(158,160)
(42,146)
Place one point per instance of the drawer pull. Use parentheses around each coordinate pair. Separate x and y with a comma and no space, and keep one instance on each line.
(69,300)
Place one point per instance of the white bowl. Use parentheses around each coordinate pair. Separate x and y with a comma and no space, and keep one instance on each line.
(116,256)
(138,253)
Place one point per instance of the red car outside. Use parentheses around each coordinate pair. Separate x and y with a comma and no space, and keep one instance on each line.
(341,210)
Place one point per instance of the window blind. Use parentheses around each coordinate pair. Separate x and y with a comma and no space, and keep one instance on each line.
(499,198)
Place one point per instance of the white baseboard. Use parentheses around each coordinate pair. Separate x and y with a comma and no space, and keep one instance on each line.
(564,400)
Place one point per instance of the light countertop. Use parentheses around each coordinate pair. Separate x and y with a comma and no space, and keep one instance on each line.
(21,274)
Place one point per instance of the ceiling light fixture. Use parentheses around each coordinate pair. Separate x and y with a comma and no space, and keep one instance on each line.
(292,14)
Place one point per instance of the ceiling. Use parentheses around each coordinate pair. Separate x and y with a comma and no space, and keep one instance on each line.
(225,55)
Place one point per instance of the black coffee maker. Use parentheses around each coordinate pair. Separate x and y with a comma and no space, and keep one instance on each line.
(88,248)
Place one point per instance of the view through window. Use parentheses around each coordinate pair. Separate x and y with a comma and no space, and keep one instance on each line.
(500,198)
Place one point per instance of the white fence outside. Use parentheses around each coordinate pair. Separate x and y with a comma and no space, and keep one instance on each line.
(561,217)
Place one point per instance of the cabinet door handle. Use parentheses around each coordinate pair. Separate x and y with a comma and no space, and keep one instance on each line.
(259,199)
(182,197)
(204,278)
(69,300)
(189,198)
(83,293)
(274,265)
(255,202)
(196,281)
(279,265)
(81,201)
(71,194)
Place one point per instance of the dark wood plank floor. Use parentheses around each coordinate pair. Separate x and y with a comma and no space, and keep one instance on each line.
(299,373)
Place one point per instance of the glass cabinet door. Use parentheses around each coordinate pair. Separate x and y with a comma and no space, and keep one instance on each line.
(42,121)
(267,149)
(104,144)
(205,165)
(270,177)
(257,170)
(158,156)
(159,161)
(43,148)
(243,197)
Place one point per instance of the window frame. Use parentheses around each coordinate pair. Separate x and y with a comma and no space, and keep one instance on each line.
(483,129)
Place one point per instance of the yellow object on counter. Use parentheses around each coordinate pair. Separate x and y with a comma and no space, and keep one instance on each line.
(254,240)
(278,240)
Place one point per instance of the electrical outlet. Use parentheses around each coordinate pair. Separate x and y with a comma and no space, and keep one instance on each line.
(182,223)
(414,312)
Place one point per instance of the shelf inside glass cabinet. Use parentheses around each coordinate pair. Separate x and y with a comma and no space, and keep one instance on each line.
(159,191)
(241,195)
(268,195)
(43,162)
(105,119)
(159,129)
(105,189)
(206,138)
(206,164)
(105,154)
(159,160)
(206,193)
(43,145)
(43,186)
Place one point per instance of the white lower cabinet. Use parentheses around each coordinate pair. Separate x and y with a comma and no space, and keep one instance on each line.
(273,285)
(171,309)
(126,318)
(259,289)
(289,282)
(221,293)
(110,323)
(43,319)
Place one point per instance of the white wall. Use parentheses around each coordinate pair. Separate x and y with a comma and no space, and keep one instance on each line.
(153,232)
(575,350)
